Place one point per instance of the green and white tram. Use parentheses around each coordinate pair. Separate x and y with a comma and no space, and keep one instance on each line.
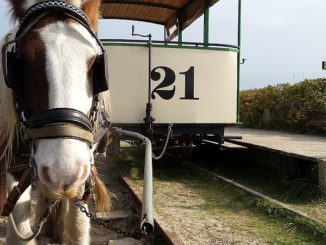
(154,84)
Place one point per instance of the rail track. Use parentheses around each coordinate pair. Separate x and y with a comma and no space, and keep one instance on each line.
(284,208)
(255,193)
(126,199)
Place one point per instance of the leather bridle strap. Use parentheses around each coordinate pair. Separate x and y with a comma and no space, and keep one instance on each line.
(17,191)
(60,130)
(90,185)
(59,115)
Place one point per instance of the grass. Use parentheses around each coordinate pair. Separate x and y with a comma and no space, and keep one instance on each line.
(242,212)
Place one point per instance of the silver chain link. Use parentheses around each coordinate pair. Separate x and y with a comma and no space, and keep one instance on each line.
(137,234)
(170,133)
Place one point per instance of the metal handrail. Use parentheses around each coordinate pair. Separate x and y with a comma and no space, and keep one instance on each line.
(196,44)
(147,216)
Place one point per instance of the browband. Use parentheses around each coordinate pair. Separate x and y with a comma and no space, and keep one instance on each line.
(46,7)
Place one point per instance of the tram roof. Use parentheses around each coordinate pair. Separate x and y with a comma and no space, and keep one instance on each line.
(164,12)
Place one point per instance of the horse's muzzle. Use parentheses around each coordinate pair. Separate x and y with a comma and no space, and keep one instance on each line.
(61,194)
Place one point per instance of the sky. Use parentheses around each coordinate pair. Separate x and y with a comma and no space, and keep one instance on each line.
(283,41)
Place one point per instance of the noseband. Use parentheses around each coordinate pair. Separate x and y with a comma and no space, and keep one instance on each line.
(58,122)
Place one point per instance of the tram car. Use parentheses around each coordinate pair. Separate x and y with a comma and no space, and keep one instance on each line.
(154,85)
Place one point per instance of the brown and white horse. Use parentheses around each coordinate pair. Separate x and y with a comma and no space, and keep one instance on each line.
(58,54)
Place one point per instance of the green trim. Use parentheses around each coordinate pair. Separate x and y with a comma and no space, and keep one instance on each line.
(170,46)
(206,23)
(239,56)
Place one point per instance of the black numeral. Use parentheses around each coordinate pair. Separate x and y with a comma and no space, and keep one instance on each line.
(168,80)
(189,84)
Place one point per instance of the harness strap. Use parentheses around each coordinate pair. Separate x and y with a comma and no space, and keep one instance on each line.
(60,115)
(90,185)
(60,130)
(17,191)
(3,188)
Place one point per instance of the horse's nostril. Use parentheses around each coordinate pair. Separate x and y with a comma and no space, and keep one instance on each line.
(65,187)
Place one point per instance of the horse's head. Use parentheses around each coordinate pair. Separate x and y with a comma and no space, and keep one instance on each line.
(54,81)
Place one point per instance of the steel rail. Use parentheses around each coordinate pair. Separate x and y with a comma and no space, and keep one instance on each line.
(169,235)
(258,194)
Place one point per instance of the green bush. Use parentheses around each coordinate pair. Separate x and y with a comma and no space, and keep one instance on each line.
(300,107)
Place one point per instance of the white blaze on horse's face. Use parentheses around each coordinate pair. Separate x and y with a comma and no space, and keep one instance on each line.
(64,164)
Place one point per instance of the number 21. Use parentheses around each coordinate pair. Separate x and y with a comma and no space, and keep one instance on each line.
(169,79)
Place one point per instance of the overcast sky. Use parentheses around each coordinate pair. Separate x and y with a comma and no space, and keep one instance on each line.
(282,40)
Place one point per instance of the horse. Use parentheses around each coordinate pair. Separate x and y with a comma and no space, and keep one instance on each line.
(53,90)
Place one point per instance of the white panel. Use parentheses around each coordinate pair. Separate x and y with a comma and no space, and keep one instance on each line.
(215,85)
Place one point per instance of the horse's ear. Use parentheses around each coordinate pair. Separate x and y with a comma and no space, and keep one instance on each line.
(17,7)
(91,9)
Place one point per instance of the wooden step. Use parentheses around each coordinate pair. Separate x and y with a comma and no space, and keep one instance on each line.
(114,215)
(124,241)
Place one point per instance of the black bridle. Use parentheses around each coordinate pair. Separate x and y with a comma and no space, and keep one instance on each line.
(58,122)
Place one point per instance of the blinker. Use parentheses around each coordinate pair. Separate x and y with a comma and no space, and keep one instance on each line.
(10,58)
(100,74)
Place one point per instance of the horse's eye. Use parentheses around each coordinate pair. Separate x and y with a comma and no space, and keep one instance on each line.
(22,60)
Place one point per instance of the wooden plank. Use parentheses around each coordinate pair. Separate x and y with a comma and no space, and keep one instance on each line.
(114,215)
(306,147)
(124,241)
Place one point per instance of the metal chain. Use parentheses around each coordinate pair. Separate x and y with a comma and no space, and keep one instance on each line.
(137,234)
(170,133)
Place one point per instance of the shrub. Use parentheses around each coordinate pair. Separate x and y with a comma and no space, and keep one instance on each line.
(300,107)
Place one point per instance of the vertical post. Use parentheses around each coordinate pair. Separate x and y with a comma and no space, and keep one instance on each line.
(149,67)
(206,23)
(165,33)
(179,29)
(149,107)
(239,56)
(322,174)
